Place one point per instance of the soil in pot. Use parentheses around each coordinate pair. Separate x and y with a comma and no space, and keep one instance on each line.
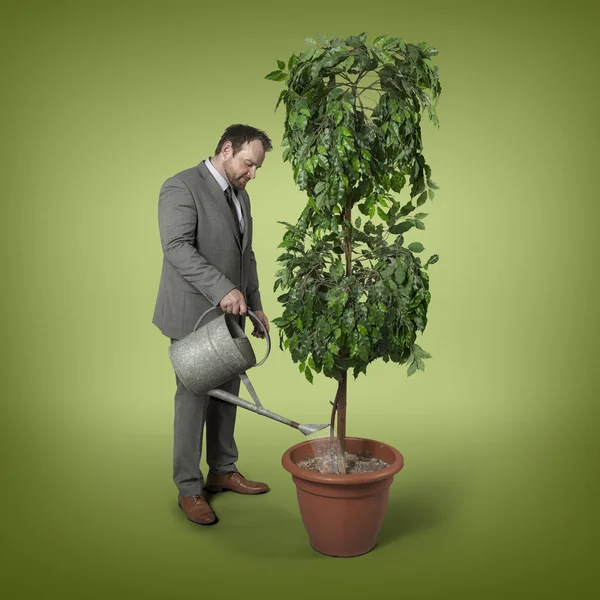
(330,459)
(354,463)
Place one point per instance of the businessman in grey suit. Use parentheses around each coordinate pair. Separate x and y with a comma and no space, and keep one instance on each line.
(206,234)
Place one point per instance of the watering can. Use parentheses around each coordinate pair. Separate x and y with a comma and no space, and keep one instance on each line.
(217,352)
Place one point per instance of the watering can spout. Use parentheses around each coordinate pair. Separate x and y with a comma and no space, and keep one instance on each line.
(261,410)
(311,428)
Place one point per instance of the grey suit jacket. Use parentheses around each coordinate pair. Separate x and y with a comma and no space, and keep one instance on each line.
(205,257)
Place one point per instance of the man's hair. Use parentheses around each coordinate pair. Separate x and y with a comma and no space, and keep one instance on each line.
(239,134)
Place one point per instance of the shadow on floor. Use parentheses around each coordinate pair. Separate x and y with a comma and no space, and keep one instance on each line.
(270,526)
(421,508)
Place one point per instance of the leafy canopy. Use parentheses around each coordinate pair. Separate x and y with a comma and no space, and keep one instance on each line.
(352,292)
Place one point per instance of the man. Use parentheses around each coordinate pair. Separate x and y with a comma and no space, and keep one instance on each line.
(206,234)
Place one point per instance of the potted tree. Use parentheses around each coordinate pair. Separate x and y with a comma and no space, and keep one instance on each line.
(352,292)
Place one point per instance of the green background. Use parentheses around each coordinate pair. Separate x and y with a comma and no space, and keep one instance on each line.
(101,103)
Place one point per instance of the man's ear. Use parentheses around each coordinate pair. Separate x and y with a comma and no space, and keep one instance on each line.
(227,150)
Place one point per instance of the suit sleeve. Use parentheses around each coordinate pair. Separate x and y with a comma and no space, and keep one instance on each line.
(177,221)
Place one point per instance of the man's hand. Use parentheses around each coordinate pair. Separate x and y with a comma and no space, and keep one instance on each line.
(258,332)
(233,303)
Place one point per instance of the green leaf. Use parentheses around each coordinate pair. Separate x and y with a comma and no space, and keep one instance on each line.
(322,38)
(348,319)
(322,160)
(399,275)
(381,55)
(334,94)
(281,65)
(302,122)
(412,369)
(421,215)
(356,40)
(401,228)
(301,178)
(406,209)
(310,41)
(382,214)
(421,199)
(419,352)
(281,97)
(416,247)
(337,270)
(308,374)
(276,76)
(433,259)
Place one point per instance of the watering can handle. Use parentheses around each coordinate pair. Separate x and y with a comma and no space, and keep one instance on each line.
(255,318)
(267,337)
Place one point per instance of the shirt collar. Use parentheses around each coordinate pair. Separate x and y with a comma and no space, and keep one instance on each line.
(223,183)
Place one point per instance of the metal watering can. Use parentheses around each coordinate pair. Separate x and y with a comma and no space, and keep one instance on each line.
(216,353)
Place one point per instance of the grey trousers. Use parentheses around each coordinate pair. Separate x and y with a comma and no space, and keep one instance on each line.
(192,412)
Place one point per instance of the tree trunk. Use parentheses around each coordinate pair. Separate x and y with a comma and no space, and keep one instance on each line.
(337,447)
(341,410)
(343,384)
(337,461)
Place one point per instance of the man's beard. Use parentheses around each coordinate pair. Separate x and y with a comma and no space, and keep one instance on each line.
(237,183)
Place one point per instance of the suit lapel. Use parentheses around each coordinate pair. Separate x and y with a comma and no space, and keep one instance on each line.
(218,199)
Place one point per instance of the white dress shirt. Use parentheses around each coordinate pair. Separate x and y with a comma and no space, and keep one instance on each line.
(224,184)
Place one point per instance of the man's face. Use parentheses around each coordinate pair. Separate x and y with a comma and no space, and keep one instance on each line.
(242,167)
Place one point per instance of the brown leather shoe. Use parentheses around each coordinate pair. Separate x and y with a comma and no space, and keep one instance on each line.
(235,482)
(197,510)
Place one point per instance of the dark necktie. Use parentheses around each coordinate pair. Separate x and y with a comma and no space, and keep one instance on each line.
(232,207)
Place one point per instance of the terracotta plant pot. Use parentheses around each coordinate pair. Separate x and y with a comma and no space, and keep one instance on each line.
(343,514)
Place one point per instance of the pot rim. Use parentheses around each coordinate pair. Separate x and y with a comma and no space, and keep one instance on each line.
(331,478)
